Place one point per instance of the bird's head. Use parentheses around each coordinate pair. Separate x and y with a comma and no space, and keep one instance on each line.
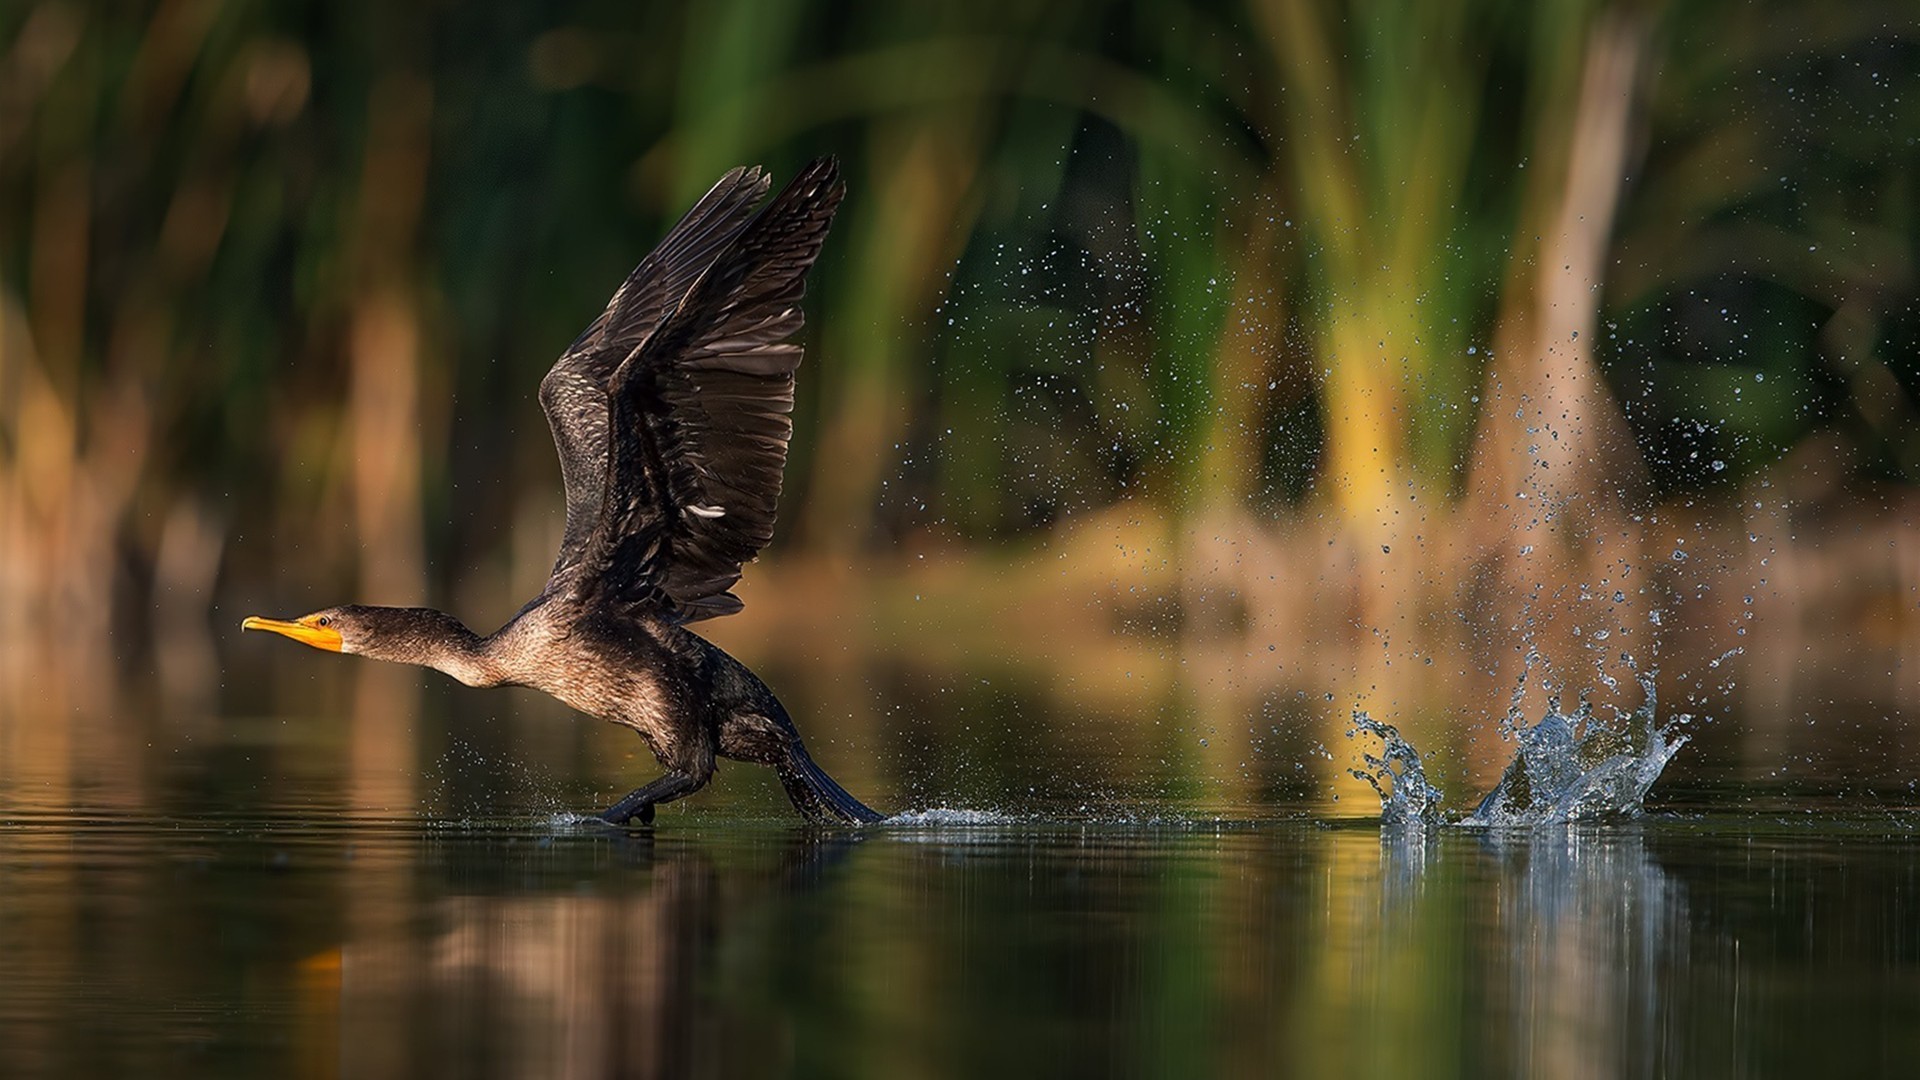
(344,629)
(404,635)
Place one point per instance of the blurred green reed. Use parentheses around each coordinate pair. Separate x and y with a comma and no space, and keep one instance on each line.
(277,282)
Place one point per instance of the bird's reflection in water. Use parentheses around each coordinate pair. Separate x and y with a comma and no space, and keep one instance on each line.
(566,956)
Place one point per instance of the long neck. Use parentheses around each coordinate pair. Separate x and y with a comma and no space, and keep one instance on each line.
(432,639)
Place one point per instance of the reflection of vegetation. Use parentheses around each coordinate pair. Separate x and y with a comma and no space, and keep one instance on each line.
(269,944)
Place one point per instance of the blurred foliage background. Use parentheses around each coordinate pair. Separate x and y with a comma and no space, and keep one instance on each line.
(1237,282)
(1180,375)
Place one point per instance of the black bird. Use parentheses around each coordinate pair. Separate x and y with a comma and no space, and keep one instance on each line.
(672,414)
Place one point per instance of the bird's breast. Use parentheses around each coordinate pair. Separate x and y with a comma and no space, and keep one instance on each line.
(613,681)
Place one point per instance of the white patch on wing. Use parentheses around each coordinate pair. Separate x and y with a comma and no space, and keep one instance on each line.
(706,511)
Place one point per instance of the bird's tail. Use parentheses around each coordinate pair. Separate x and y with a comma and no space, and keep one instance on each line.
(816,796)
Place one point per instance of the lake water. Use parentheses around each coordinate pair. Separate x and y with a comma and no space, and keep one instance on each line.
(358,871)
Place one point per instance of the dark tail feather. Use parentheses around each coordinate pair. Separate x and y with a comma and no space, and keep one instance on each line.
(817,797)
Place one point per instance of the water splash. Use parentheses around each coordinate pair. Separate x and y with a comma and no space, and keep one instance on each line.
(1568,768)
(942,817)
(1576,768)
(1396,775)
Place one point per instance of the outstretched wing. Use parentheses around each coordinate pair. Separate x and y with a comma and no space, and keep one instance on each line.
(574,391)
(701,417)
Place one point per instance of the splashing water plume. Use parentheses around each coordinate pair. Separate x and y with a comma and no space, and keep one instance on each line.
(1575,768)
(1396,775)
(1568,768)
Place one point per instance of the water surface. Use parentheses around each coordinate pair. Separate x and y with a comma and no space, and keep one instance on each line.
(376,875)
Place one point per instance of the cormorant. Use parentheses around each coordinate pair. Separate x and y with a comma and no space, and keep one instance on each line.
(671,414)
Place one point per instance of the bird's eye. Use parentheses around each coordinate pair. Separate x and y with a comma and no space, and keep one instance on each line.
(324,620)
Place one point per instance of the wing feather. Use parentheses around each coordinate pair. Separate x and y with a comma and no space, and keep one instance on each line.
(574,392)
(701,416)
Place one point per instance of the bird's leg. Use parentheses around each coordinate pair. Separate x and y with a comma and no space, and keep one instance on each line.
(640,801)
(690,776)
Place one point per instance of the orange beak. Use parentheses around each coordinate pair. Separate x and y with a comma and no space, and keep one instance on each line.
(303,630)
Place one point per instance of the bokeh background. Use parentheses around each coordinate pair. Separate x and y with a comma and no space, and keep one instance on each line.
(1195,372)
(1180,377)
